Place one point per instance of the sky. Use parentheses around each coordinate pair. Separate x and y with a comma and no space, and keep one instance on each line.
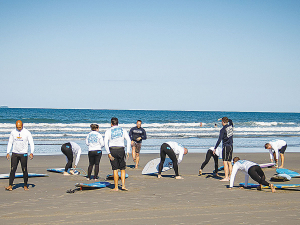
(197,55)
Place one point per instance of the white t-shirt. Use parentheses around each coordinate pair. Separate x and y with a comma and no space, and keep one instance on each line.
(76,151)
(94,140)
(218,151)
(19,140)
(244,166)
(114,137)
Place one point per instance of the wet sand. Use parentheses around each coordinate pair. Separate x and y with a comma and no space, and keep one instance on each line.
(194,200)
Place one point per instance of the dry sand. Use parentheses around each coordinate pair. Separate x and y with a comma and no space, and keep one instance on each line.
(194,200)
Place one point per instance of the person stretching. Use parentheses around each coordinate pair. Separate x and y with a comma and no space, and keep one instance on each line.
(249,169)
(212,153)
(171,149)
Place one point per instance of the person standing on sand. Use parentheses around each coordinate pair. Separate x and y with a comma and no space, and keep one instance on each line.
(115,147)
(69,150)
(95,142)
(171,149)
(275,147)
(137,134)
(211,153)
(226,136)
(19,139)
(249,169)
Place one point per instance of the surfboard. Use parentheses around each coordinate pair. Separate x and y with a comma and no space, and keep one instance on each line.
(263,165)
(152,166)
(61,170)
(20,175)
(281,177)
(250,185)
(291,173)
(93,185)
(111,176)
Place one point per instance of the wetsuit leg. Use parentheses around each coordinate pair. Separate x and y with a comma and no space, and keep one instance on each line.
(97,162)
(91,156)
(216,158)
(67,150)
(24,160)
(209,154)
(256,173)
(169,151)
(162,157)
(14,164)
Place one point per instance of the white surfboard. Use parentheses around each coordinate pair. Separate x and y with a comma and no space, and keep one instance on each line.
(152,166)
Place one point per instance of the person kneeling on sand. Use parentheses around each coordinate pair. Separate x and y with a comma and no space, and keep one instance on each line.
(249,169)
(171,149)
(69,149)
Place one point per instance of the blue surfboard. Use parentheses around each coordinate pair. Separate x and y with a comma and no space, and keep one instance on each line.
(20,175)
(250,185)
(93,185)
(291,173)
(111,176)
(61,170)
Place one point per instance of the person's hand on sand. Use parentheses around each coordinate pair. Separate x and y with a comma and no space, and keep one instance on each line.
(7,156)
(31,156)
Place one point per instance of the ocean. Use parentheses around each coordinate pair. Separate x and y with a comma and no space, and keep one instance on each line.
(51,128)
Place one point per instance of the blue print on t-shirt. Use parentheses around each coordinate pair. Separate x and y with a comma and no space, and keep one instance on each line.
(116,133)
(93,138)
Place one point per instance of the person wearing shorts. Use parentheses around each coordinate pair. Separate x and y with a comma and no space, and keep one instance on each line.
(171,149)
(95,142)
(137,134)
(115,147)
(226,136)
(18,141)
(249,169)
(70,149)
(275,147)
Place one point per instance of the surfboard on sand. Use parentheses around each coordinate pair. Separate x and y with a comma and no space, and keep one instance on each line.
(250,185)
(111,176)
(291,173)
(281,177)
(93,185)
(20,175)
(61,170)
(152,166)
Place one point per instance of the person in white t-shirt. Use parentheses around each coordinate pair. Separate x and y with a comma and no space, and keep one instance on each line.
(276,147)
(18,141)
(115,147)
(216,154)
(171,149)
(249,169)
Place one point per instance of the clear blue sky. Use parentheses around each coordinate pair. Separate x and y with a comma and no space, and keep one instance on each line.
(167,55)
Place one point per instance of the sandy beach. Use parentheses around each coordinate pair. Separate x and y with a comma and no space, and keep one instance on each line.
(194,200)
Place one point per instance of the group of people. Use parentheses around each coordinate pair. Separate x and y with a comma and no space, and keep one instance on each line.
(114,143)
(249,168)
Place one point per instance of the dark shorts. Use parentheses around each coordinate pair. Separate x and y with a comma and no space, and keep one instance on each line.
(119,154)
(227,153)
(282,150)
(137,146)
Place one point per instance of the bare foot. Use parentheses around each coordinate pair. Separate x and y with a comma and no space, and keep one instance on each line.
(66,174)
(9,188)
(179,178)
(200,172)
(124,189)
(272,188)
(115,189)
(280,166)
(225,179)
(72,172)
(26,188)
(159,176)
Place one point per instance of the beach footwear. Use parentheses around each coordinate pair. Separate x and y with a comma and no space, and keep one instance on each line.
(200,172)
(9,188)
